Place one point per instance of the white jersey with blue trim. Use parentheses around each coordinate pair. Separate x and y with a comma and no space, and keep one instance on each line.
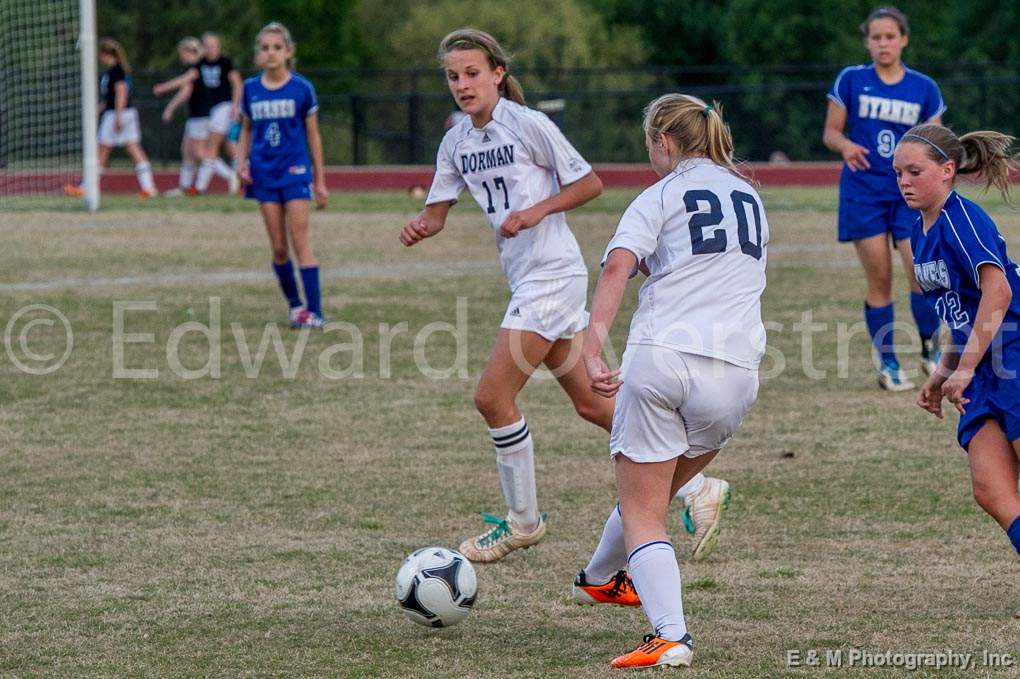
(518,159)
(703,235)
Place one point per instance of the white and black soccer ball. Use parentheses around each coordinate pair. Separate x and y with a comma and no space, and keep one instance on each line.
(436,587)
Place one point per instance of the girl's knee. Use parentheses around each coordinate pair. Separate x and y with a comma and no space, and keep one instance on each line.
(595,411)
(491,405)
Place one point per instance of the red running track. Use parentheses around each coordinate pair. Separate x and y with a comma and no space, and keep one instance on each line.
(405,177)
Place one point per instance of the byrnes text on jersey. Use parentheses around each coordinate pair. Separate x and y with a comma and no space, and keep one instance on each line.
(273,108)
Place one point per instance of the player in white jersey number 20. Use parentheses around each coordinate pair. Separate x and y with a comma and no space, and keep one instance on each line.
(690,370)
(524,174)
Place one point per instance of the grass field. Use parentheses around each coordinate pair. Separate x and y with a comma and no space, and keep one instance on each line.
(251,524)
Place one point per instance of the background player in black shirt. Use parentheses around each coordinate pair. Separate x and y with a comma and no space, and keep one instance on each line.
(196,129)
(118,121)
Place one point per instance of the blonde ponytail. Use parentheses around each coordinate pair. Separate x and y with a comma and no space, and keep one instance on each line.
(697,128)
(511,89)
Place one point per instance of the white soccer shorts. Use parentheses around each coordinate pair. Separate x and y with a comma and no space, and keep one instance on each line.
(674,403)
(197,128)
(554,309)
(219,118)
(129,133)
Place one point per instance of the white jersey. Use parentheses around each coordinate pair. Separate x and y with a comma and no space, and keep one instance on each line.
(518,159)
(703,234)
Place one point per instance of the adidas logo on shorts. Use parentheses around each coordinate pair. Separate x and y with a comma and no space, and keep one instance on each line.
(516,311)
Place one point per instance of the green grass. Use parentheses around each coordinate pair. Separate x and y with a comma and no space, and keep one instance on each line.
(252,525)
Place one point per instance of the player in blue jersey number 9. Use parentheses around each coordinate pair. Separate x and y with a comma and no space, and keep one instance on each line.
(876,104)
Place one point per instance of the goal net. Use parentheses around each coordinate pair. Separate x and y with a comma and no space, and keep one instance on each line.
(41,94)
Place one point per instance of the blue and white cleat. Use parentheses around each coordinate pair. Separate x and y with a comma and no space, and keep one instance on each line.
(891,378)
(931,354)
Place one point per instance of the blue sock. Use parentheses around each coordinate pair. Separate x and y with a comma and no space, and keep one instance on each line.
(880,321)
(310,281)
(288,284)
(925,316)
(1014,533)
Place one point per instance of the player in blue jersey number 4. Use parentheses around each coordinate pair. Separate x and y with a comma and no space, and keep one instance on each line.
(877,103)
(280,130)
(961,264)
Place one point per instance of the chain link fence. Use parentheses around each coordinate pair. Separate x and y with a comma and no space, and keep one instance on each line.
(396,117)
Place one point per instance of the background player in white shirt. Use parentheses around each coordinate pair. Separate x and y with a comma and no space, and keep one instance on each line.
(689,373)
(524,174)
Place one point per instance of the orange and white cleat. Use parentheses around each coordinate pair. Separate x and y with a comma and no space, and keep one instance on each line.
(74,191)
(146,195)
(619,591)
(658,652)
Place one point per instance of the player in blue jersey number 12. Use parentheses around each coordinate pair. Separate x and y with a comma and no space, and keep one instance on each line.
(962,265)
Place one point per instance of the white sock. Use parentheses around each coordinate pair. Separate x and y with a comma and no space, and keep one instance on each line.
(656,576)
(144,173)
(515,457)
(205,174)
(222,169)
(187,175)
(691,487)
(611,554)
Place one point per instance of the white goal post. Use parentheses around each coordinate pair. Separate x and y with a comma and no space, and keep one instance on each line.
(48,96)
(89,118)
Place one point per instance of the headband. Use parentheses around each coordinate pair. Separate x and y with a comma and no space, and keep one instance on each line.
(929,142)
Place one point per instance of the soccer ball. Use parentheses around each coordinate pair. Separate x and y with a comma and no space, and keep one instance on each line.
(436,587)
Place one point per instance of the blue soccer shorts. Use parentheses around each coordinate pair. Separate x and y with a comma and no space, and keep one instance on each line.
(280,194)
(859,219)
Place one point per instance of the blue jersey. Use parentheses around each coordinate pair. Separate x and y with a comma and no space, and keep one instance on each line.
(878,115)
(946,261)
(279,150)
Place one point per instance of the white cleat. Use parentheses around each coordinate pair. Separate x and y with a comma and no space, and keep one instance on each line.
(703,515)
(503,538)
